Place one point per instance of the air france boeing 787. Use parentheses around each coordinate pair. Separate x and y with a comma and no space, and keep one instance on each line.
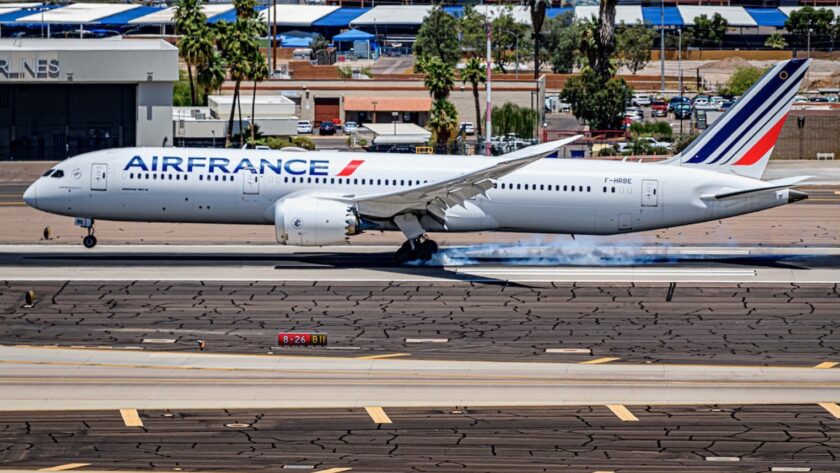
(321,198)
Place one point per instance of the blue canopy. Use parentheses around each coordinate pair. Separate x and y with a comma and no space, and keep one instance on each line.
(295,42)
(354,35)
(14,15)
(125,17)
(672,16)
(767,16)
(557,11)
(341,18)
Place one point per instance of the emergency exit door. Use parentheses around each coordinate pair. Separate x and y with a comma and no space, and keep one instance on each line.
(251,183)
(650,193)
(99,177)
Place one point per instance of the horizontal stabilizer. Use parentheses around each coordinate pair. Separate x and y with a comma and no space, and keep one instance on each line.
(777,184)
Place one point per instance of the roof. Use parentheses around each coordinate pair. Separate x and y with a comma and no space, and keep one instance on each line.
(77,13)
(296,15)
(62,44)
(520,13)
(354,35)
(652,15)
(387,104)
(767,16)
(734,16)
(788,10)
(394,15)
(164,16)
(398,129)
(12,11)
(125,17)
(629,14)
(341,17)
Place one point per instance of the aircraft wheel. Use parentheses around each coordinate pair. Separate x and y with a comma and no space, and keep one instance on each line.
(89,241)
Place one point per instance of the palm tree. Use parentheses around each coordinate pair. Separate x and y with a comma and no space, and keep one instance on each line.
(211,74)
(257,72)
(439,77)
(537,8)
(474,73)
(239,45)
(196,43)
(443,120)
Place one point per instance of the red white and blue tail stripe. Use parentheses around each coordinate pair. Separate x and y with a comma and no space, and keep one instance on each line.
(742,139)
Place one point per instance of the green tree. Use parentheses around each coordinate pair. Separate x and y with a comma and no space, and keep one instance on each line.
(603,38)
(562,40)
(741,80)
(776,41)
(633,45)
(537,8)
(439,79)
(438,37)
(473,32)
(443,120)
(211,74)
(474,73)
(509,37)
(819,22)
(709,31)
(257,72)
(196,43)
(511,118)
(599,103)
(673,42)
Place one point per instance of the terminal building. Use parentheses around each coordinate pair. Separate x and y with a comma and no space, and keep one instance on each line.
(62,97)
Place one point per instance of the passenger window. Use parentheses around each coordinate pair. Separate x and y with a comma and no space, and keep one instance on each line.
(402,182)
(605,189)
(565,188)
(130,176)
(170,177)
(216,179)
(518,186)
(573,188)
(309,180)
(154,177)
(526,187)
(379,182)
(542,188)
(613,190)
(332,180)
(147,175)
(588,189)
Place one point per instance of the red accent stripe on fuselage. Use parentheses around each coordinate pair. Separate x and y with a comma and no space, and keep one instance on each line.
(350,168)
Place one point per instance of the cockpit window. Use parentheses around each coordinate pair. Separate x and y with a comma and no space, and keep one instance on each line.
(49,171)
(58,173)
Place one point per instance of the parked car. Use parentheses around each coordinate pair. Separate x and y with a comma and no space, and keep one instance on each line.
(326,128)
(682,111)
(564,107)
(659,108)
(468,128)
(641,100)
(652,142)
(304,127)
(350,128)
(677,100)
(635,110)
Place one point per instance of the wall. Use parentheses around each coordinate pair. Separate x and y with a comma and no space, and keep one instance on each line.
(154,113)
(808,132)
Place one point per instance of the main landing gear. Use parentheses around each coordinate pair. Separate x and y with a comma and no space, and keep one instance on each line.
(417,249)
(90,240)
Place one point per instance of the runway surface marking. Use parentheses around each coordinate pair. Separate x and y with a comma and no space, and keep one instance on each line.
(622,412)
(832,408)
(826,365)
(333,470)
(131,418)
(599,361)
(382,357)
(68,466)
(378,415)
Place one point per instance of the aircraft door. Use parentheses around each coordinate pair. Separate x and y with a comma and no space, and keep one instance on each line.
(99,177)
(650,193)
(251,183)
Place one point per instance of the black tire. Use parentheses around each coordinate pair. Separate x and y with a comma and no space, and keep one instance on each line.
(89,241)
(404,255)
(430,246)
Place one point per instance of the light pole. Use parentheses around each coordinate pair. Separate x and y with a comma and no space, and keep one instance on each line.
(679,62)
(662,47)
(395,115)
(374,110)
(488,128)
(515,47)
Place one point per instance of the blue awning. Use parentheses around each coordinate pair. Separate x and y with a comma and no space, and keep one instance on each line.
(12,16)
(354,35)
(295,42)
(557,11)
(767,16)
(672,16)
(125,17)
(230,15)
(455,10)
(340,18)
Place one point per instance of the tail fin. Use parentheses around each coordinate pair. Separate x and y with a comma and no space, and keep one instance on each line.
(742,139)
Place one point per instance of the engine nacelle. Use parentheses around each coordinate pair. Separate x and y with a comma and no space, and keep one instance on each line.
(312,221)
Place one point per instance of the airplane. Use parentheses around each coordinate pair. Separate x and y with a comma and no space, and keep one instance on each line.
(322,198)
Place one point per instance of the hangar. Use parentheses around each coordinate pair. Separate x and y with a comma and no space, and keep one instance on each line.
(62,97)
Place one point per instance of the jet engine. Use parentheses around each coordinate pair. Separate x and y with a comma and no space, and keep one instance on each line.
(314,221)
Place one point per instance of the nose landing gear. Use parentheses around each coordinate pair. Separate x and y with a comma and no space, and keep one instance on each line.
(88,241)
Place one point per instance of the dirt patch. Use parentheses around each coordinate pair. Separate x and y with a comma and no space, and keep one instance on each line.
(828,82)
(728,64)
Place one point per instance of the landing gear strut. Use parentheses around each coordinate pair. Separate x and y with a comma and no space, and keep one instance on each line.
(420,248)
(90,240)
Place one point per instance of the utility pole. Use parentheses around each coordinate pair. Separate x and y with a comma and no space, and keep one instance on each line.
(662,46)
(488,123)
(273,36)
(679,62)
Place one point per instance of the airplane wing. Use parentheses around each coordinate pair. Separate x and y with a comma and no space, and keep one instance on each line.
(436,197)
(773,185)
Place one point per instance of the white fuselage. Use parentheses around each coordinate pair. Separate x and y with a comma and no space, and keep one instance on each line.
(548,196)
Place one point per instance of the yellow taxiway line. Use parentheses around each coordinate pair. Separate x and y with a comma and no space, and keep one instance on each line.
(378,415)
(131,418)
(826,365)
(622,413)
(68,466)
(832,408)
(598,361)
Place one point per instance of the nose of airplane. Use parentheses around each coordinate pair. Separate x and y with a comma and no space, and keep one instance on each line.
(31,195)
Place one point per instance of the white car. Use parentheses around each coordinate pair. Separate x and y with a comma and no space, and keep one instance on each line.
(350,128)
(642,100)
(654,143)
(304,127)
(468,127)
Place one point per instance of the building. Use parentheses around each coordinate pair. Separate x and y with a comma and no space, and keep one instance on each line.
(62,97)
